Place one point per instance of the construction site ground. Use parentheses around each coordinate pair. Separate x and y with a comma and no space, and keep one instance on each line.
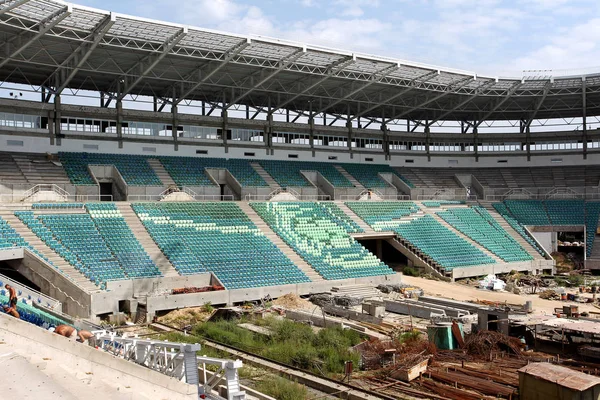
(461,292)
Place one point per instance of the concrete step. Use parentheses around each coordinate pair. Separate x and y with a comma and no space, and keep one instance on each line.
(266,176)
(352,179)
(308,270)
(161,172)
(142,235)
(364,226)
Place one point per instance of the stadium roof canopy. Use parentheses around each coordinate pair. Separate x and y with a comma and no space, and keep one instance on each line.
(58,45)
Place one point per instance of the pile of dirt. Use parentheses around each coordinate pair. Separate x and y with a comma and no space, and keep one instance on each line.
(185,317)
(291,301)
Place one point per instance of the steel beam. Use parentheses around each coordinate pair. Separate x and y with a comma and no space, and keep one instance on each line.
(147,64)
(377,76)
(16,4)
(229,55)
(43,26)
(283,63)
(464,102)
(62,77)
(453,86)
(420,79)
(332,69)
(508,95)
(539,104)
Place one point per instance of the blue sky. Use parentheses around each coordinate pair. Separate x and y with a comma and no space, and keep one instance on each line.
(484,36)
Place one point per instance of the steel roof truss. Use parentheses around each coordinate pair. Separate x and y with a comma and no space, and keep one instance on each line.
(450,89)
(43,26)
(135,74)
(377,76)
(421,78)
(70,67)
(283,63)
(16,4)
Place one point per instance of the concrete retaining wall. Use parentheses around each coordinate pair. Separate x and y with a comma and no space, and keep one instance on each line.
(75,301)
(44,344)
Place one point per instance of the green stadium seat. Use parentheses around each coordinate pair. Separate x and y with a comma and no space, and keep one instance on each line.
(217,237)
(321,238)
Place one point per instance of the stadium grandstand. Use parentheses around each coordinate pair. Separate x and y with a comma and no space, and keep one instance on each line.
(139,156)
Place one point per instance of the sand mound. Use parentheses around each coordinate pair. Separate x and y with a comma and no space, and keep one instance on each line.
(291,301)
(185,316)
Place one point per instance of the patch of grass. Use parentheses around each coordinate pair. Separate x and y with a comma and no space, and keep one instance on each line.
(291,343)
(207,307)
(282,389)
(410,271)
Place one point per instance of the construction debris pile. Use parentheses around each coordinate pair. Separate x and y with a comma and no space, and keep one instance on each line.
(188,290)
(485,343)
(405,290)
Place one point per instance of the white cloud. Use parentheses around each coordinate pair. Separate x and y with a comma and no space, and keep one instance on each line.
(573,48)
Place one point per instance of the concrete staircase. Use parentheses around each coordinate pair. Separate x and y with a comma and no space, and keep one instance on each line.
(161,172)
(265,175)
(142,235)
(509,179)
(349,177)
(50,254)
(365,227)
(285,249)
(362,291)
(509,229)
(432,212)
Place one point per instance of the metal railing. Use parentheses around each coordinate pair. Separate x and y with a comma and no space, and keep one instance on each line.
(32,294)
(177,360)
(44,187)
(302,197)
(543,193)
(198,197)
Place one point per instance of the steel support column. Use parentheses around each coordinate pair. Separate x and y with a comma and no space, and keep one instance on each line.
(224,128)
(119,108)
(175,127)
(349,128)
(311,132)
(427,141)
(584,115)
(56,132)
(476,140)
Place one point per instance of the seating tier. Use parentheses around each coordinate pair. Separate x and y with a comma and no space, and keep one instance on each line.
(384,215)
(479,226)
(321,238)
(440,244)
(368,174)
(220,238)
(288,173)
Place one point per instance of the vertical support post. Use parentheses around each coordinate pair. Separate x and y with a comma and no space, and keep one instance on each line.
(349,127)
(155,103)
(224,127)
(528,141)
(270,150)
(119,108)
(203,108)
(55,132)
(476,141)
(174,127)
(385,142)
(584,113)
(427,140)
(311,133)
